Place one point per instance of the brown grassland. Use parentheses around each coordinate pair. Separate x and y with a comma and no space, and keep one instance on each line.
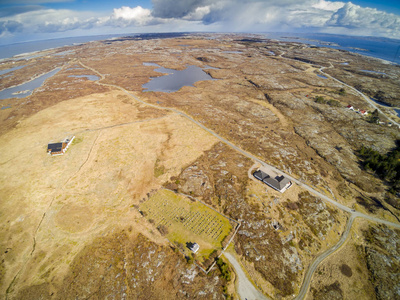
(70,225)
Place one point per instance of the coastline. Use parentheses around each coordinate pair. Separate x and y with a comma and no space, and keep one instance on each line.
(18,50)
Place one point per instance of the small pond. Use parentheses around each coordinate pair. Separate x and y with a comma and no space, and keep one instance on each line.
(151,65)
(210,68)
(76,68)
(89,77)
(2,72)
(175,79)
(322,76)
(232,52)
(64,53)
(26,89)
(373,72)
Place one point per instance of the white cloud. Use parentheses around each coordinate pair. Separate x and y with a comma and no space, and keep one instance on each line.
(222,15)
(328,5)
(137,16)
(366,20)
(198,14)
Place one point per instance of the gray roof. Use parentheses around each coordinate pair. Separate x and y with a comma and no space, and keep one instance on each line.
(283,181)
(277,183)
(260,175)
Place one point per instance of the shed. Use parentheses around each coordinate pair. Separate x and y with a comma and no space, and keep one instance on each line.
(194,247)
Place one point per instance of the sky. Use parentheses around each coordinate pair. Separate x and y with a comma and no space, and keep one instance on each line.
(28,20)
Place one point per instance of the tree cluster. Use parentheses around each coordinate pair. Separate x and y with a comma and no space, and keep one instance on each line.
(386,167)
(322,100)
(374,117)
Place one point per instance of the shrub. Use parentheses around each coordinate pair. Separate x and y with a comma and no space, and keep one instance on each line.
(320,99)
(333,103)
(224,268)
(163,229)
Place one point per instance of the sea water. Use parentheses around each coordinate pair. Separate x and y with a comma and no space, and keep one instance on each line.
(383,48)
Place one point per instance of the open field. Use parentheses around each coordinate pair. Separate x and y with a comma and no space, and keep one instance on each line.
(57,205)
(188,221)
(69,227)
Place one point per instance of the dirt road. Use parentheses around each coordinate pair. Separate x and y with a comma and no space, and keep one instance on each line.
(245,288)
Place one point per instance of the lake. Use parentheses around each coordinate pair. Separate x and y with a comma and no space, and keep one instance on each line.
(175,79)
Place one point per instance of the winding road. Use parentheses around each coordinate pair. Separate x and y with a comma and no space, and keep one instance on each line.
(311,268)
(244,290)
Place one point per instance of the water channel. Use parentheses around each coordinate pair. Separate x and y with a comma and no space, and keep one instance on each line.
(2,72)
(26,89)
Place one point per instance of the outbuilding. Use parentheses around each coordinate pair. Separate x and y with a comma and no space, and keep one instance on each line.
(194,247)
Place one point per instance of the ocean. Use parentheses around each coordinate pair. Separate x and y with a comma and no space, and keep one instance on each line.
(7,51)
(383,48)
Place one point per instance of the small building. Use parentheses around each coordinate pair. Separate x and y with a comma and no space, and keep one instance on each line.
(279,183)
(350,107)
(194,247)
(363,112)
(59,148)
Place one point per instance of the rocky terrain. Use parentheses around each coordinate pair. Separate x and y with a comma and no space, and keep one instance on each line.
(68,225)
(371,253)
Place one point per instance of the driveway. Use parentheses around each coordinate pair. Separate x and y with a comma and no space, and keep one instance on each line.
(245,288)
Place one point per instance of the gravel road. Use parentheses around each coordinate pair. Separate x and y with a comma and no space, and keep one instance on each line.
(245,288)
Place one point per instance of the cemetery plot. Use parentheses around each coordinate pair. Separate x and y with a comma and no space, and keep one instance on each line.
(187,221)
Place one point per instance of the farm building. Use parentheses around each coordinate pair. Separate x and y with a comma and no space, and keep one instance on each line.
(279,183)
(59,148)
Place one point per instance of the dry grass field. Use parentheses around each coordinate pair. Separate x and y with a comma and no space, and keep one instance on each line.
(57,204)
(70,227)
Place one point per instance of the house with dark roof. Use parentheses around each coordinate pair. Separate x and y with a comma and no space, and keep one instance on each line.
(59,148)
(279,183)
(55,148)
